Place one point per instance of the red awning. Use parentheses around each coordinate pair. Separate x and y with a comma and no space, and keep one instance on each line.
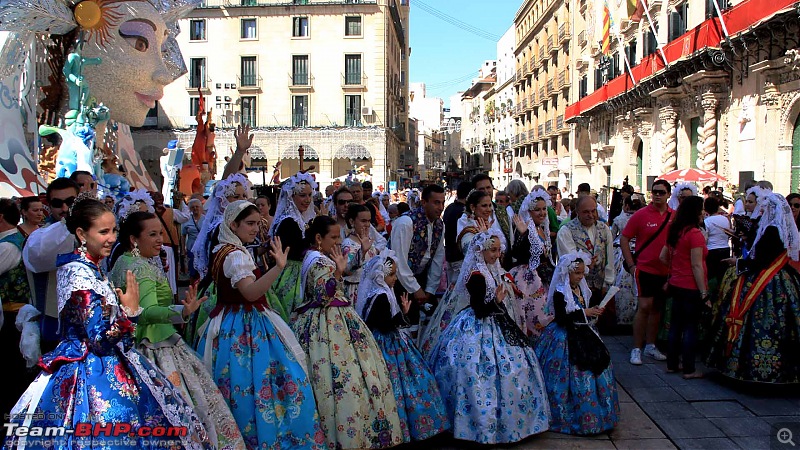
(708,34)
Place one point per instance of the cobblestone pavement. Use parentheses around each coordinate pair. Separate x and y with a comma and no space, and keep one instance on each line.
(664,411)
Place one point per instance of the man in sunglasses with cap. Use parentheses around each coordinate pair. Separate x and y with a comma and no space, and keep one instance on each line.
(40,252)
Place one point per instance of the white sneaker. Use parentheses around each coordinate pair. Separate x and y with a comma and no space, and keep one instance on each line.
(651,351)
(636,357)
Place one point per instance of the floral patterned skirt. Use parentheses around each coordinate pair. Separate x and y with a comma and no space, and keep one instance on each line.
(765,350)
(581,402)
(356,402)
(531,306)
(626,300)
(262,381)
(284,294)
(110,389)
(448,307)
(419,403)
(493,391)
(187,373)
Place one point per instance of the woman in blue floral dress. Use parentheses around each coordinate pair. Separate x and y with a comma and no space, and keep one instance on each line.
(582,401)
(354,393)
(485,366)
(250,351)
(95,375)
(419,403)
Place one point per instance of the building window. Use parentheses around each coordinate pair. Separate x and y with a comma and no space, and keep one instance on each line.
(197,30)
(249,111)
(300,111)
(300,27)
(352,69)
(598,78)
(583,87)
(352,26)
(694,138)
(197,72)
(677,21)
(249,71)
(249,3)
(300,70)
(650,44)
(249,30)
(711,11)
(194,106)
(630,52)
(352,110)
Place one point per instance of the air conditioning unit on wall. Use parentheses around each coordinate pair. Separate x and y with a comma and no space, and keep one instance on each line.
(366,111)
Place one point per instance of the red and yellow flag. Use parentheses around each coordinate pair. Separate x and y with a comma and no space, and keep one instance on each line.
(606,42)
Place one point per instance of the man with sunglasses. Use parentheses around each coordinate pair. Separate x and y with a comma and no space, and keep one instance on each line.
(649,227)
(40,252)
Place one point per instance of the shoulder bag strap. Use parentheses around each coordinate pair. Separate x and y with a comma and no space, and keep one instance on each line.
(655,235)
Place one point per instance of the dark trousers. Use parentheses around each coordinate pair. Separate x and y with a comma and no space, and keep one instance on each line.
(18,375)
(687,306)
(399,290)
(716,268)
(607,322)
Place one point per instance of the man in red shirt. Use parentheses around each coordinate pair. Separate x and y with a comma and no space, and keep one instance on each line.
(647,227)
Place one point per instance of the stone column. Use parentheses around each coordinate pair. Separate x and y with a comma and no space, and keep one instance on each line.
(669,126)
(707,157)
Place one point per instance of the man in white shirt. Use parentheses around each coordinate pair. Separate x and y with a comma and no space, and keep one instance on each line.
(40,253)
(418,240)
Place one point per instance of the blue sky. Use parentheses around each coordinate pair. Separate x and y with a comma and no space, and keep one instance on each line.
(442,54)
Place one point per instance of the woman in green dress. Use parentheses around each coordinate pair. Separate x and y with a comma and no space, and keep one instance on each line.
(156,336)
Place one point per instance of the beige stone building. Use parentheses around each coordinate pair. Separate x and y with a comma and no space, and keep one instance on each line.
(330,76)
(544,36)
(717,95)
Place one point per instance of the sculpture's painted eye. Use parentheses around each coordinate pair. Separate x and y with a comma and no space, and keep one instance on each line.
(139,33)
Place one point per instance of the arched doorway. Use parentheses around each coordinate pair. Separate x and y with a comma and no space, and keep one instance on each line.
(640,165)
(349,157)
(795,183)
(290,159)
(151,156)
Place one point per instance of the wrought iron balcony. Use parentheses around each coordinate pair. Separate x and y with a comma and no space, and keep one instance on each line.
(564,33)
(249,81)
(301,81)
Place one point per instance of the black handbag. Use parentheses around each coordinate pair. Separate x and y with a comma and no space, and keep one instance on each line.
(586,350)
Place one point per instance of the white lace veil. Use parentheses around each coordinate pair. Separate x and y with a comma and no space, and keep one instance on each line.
(560,283)
(373,283)
(676,191)
(215,211)
(538,248)
(129,205)
(226,235)
(473,261)
(286,207)
(759,193)
(382,209)
(773,210)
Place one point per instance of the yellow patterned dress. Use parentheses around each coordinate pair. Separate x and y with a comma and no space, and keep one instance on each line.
(356,403)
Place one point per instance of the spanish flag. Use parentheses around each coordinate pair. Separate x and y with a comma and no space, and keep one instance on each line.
(635,10)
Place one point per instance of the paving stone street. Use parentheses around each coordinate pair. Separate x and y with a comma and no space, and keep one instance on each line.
(664,411)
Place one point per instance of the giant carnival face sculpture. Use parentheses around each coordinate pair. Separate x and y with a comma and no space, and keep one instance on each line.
(120,56)
(133,73)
